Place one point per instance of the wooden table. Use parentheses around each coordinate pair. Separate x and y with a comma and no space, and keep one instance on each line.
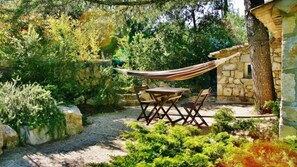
(163,95)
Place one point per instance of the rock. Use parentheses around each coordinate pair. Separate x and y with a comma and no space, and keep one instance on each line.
(35,136)
(187,93)
(276,66)
(237,81)
(247,81)
(229,67)
(219,90)
(1,138)
(249,94)
(245,58)
(288,87)
(92,101)
(238,74)
(130,90)
(11,138)
(73,119)
(277,59)
(223,80)
(226,73)
(236,92)
(227,92)
(79,100)
(145,96)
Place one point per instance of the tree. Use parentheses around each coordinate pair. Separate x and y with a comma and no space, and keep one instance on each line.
(258,40)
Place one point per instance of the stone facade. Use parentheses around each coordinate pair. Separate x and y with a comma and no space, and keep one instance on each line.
(234,80)
(288,120)
(280,17)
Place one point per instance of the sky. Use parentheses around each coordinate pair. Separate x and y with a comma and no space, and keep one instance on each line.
(238,5)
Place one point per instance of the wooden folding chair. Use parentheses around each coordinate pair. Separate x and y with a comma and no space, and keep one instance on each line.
(144,104)
(192,108)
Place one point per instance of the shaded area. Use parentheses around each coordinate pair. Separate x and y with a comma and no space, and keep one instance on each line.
(97,143)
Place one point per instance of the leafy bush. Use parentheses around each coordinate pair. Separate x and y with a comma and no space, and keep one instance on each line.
(262,153)
(53,51)
(272,106)
(291,141)
(179,146)
(29,105)
(224,120)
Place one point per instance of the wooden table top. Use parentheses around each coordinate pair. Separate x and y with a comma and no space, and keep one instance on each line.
(166,90)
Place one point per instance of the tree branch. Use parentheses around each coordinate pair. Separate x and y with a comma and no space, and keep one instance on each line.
(126,3)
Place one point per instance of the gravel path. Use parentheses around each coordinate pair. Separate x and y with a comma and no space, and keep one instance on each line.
(97,143)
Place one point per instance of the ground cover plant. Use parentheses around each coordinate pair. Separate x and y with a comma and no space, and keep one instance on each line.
(227,145)
(29,105)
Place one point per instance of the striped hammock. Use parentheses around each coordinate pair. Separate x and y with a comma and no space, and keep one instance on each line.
(181,73)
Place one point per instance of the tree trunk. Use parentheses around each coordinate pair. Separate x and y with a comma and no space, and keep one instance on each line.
(258,40)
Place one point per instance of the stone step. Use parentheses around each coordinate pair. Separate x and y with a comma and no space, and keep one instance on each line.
(127,96)
(123,102)
(212,98)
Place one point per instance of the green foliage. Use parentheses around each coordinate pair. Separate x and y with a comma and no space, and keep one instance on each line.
(237,26)
(53,52)
(291,141)
(29,105)
(263,129)
(163,145)
(176,46)
(224,120)
(273,106)
(262,153)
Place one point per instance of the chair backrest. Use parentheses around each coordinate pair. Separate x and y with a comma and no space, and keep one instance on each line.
(202,96)
(140,90)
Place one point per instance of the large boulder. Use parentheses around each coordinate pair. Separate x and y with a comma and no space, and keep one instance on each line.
(40,135)
(35,136)
(11,138)
(73,119)
(1,138)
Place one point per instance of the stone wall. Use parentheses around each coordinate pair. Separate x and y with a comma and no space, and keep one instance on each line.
(288,115)
(87,77)
(234,84)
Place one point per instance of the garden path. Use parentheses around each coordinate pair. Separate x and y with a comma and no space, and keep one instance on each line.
(97,143)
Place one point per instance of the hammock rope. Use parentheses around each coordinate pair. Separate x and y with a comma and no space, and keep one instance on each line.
(181,73)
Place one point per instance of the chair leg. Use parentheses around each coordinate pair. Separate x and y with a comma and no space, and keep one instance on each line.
(142,114)
(188,115)
(201,118)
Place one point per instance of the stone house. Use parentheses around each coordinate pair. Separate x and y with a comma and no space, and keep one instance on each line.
(280,17)
(234,77)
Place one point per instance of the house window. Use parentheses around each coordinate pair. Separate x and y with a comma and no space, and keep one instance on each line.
(248,70)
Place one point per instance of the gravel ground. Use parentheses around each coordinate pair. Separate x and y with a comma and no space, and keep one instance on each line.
(97,143)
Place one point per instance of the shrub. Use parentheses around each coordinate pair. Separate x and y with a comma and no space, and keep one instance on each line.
(29,105)
(291,141)
(262,153)
(273,107)
(224,119)
(52,52)
(179,146)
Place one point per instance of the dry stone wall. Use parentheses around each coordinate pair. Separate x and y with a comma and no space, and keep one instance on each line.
(234,80)
(288,115)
